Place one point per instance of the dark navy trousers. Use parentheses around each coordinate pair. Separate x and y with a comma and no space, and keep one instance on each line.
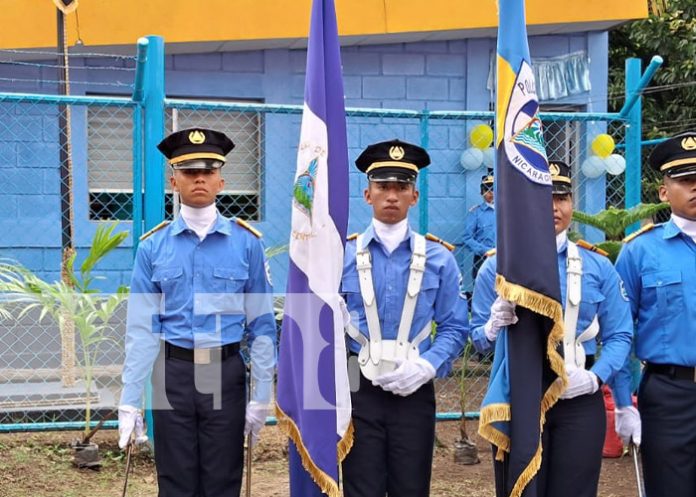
(199,436)
(392,451)
(667,408)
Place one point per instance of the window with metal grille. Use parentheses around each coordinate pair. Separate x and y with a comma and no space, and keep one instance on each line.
(110,161)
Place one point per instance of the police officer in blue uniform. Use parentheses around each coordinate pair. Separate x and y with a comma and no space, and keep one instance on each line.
(595,310)
(479,226)
(396,284)
(199,286)
(658,266)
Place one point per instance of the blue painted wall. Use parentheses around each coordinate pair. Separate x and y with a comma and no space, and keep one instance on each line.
(429,75)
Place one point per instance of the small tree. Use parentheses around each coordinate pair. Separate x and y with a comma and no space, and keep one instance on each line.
(613,223)
(73,301)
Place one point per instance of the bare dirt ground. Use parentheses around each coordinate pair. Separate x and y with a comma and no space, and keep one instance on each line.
(39,465)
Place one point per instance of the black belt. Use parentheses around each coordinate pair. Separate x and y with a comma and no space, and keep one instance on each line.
(589,361)
(200,356)
(673,371)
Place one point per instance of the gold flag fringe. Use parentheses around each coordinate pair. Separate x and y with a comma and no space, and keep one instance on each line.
(553,310)
(327,484)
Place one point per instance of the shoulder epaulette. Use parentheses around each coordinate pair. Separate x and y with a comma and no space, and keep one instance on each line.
(490,252)
(433,238)
(474,208)
(352,236)
(161,225)
(248,227)
(591,248)
(636,234)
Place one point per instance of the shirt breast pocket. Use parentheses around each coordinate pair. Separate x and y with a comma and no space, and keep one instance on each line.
(172,284)
(665,287)
(427,295)
(591,299)
(227,290)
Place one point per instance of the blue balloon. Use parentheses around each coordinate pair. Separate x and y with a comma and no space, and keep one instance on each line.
(615,164)
(488,157)
(471,159)
(593,166)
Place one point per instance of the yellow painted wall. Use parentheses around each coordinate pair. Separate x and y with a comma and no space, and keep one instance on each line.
(32,23)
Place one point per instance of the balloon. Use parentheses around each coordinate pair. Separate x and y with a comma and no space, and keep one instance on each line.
(593,166)
(488,157)
(603,145)
(481,136)
(471,159)
(615,164)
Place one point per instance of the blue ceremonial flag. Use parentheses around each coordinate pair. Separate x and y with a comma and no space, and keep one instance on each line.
(528,373)
(313,404)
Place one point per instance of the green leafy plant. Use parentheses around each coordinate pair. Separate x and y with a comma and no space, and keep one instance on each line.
(75,303)
(613,223)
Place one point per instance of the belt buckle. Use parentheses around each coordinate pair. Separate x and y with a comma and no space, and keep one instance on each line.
(201,356)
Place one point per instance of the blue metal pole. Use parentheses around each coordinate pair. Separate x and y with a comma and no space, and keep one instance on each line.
(154,132)
(137,228)
(138,86)
(423,175)
(634,93)
(153,103)
(633,136)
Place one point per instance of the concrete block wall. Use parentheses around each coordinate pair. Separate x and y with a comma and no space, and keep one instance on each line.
(442,75)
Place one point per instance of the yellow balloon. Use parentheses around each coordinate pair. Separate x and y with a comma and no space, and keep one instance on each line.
(481,136)
(603,145)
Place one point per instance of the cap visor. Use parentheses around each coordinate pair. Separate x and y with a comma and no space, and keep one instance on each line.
(392,175)
(198,164)
(679,172)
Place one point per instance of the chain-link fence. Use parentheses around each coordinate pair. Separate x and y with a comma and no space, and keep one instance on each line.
(70,165)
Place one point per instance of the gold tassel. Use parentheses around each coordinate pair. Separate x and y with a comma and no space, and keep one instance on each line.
(328,485)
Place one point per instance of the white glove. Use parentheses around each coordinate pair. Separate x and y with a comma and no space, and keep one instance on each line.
(408,377)
(628,424)
(256,413)
(580,382)
(130,420)
(502,315)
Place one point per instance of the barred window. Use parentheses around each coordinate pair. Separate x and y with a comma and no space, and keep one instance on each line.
(110,160)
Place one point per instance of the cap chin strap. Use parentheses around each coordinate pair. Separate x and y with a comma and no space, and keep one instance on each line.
(573,350)
(379,356)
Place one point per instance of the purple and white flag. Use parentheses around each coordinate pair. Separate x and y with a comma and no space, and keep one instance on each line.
(313,399)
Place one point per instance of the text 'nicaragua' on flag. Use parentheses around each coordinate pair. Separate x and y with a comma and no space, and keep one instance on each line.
(528,373)
(313,400)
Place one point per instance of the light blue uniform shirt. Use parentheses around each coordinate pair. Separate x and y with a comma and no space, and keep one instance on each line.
(195,294)
(439,300)
(479,229)
(600,296)
(659,270)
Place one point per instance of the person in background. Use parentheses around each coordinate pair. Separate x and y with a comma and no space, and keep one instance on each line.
(199,287)
(658,266)
(396,284)
(595,311)
(479,226)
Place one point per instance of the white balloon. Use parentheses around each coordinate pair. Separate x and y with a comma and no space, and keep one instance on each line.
(615,164)
(593,166)
(488,157)
(471,159)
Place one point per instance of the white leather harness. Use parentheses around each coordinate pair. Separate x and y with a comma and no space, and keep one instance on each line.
(378,356)
(573,351)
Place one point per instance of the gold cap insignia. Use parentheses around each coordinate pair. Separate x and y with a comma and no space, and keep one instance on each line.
(396,153)
(689,143)
(554,169)
(196,137)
